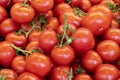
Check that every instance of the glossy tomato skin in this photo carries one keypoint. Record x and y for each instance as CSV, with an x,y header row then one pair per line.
x,y
7,26
18,1
42,5
6,3
22,14
97,22
109,50
18,64
58,73
75,3
39,64
28,76
62,55
7,54
9,74
95,1
84,40
106,72
18,40
91,58
113,34
47,40
3,14
82,77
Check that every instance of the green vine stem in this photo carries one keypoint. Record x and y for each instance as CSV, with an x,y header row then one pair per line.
x,y
69,74
2,77
79,12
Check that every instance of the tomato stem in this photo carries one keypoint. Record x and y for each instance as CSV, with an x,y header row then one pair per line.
x,y
70,74
79,12
2,77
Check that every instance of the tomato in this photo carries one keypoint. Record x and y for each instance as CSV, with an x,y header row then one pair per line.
x,y
33,45
34,35
18,40
58,1
7,54
113,34
42,5
59,73
47,40
61,9
85,5
63,55
91,58
106,72
71,29
6,3
3,14
75,3
109,50
8,73
95,1
49,14
82,77
52,23
71,18
38,63
21,13
18,64
7,26
83,40
28,76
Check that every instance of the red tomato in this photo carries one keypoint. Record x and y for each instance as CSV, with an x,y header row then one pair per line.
x,y
47,40
109,50
8,73
95,1
34,35
85,5
53,23
75,3
62,55
106,72
18,64
84,40
61,9
58,1
49,14
7,54
59,73
28,76
7,26
3,14
38,63
82,77
42,5
19,1
21,13
91,58
114,24
18,40
6,3
113,34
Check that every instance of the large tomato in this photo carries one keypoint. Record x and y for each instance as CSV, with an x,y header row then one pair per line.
x,y
38,64
21,13
109,50
82,77
106,72
42,5
83,40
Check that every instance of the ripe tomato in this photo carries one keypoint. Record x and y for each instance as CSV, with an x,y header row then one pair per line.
x,y
113,34
49,14
7,26
82,77
19,1
18,40
109,50
114,24
21,13
91,58
95,1
42,5
60,73
84,40
28,76
62,55
75,3
61,9
7,54
8,73
18,64
3,14
47,40
106,72
6,3
38,63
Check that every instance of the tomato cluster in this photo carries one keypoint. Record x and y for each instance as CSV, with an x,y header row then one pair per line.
x,y
60,40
